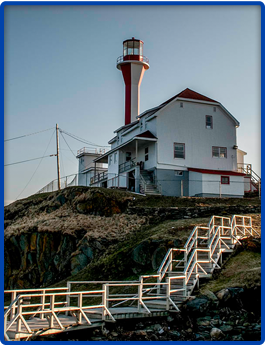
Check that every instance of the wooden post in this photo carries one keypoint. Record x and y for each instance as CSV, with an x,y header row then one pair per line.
x,y
140,294
51,320
168,292
58,162
19,311
181,188
220,189
171,259
68,297
80,305
104,302
42,304
13,310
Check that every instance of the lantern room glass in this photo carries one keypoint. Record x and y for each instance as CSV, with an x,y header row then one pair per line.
x,y
132,48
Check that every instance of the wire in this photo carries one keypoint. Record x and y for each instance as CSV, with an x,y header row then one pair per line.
x,y
80,139
26,135
37,166
67,143
28,160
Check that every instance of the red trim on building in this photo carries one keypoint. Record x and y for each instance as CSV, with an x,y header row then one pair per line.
x,y
126,72
146,134
217,172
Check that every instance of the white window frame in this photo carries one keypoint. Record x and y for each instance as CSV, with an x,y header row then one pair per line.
x,y
221,154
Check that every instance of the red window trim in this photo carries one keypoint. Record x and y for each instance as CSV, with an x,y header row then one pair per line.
x,y
226,178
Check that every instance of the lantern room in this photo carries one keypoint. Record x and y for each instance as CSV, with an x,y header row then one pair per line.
x,y
133,51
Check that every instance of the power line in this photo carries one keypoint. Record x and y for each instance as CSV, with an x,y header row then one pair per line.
x,y
67,143
37,166
28,160
26,135
81,140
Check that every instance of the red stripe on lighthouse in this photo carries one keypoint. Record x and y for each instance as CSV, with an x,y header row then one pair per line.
x,y
126,72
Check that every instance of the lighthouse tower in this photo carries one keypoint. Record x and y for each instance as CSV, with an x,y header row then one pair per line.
x,y
132,64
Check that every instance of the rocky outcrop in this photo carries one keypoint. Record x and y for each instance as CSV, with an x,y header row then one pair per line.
x,y
158,214
42,258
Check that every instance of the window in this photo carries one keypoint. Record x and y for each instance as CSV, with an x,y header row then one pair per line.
x,y
225,180
146,154
110,159
214,109
141,126
178,173
179,150
219,152
181,105
115,157
209,121
128,156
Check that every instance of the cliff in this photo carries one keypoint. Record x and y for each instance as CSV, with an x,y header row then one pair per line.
x,y
93,233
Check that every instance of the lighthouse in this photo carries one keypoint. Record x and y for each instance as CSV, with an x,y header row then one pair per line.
x,y
132,64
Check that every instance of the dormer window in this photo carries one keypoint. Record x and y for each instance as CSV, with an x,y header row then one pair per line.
x,y
141,125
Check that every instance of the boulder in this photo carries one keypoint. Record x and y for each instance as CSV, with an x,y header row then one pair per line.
x,y
198,305
216,334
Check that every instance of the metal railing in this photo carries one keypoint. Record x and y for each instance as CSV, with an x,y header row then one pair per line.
x,y
140,58
126,166
99,177
66,181
92,151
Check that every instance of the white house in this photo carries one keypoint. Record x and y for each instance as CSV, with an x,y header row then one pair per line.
x,y
186,146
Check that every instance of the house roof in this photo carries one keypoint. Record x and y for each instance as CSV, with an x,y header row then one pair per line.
x,y
126,126
188,94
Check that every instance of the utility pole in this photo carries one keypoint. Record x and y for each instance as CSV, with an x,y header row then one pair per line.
x,y
58,162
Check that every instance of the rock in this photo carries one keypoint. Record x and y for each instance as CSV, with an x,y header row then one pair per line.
x,y
224,295
203,323
141,254
170,319
158,257
198,305
153,337
215,322
114,334
237,337
174,334
156,327
216,334
210,295
226,328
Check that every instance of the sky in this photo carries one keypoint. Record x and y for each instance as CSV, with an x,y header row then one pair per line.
x,y
60,67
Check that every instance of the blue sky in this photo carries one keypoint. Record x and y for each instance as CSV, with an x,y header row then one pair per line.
x,y
60,67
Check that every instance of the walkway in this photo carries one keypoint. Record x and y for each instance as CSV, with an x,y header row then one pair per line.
x,y
35,312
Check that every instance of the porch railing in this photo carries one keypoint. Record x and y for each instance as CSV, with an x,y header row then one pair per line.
x,y
99,177
127,165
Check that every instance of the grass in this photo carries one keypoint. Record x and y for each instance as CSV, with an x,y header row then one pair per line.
x,y
243,270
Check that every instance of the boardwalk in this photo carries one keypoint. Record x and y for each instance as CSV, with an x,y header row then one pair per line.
x,y
35,312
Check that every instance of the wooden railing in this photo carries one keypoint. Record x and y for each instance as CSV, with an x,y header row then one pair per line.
x,y
221,234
